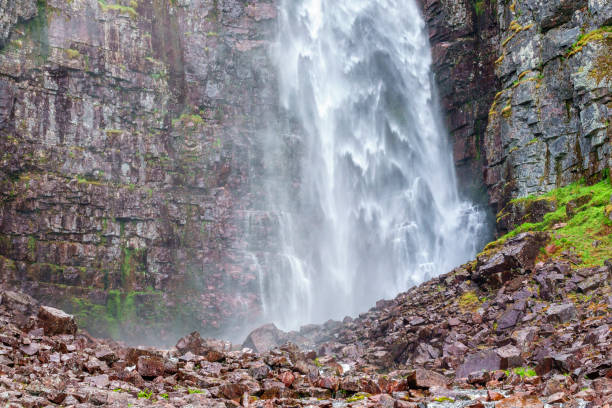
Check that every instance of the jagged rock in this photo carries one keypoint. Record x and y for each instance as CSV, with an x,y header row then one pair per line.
x,y
148,366
264,338
561,313
517,253
55,321
510,357
425,379
482,361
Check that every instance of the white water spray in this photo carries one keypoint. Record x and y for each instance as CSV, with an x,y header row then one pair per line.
x,y
376,208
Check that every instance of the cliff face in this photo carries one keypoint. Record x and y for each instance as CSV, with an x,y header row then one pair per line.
x,y
549,124
463,38
130,150
525,86
126,151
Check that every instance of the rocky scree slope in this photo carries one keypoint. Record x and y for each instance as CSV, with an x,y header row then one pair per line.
x,y
514,328
127,154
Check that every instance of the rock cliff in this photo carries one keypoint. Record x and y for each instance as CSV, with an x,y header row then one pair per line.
x,y
127,151
130,156
525,86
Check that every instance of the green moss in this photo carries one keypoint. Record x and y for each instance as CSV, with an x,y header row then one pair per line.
x,y
444,399
469,302
523,372
479,7
117,7
357,397
194,391
584,39
72,54
577,232
32,246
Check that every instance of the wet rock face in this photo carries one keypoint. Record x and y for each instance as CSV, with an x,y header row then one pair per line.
x,y
127,153
548,126
11,12
463,41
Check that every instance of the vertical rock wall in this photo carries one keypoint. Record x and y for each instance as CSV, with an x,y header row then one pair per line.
x,y
549,124
127,152
525,85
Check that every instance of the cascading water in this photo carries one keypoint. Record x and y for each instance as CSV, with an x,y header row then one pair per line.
x,y
376,209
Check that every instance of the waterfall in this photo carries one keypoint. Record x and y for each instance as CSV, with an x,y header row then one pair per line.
x,y
371,207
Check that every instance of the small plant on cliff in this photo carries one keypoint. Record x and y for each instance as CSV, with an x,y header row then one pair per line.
x,y
469,302
522,372
584,39
194,391
145,394
479,7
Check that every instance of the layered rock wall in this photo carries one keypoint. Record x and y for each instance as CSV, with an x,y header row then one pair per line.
x,y
127,153
525,86
549,123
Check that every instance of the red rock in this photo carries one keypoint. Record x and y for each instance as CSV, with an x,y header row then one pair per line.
x,y
329,383
287,378
148,366
421,378
520,401
510,357
558,397
481,361
191,343
233,391
494,396
264,338
55,321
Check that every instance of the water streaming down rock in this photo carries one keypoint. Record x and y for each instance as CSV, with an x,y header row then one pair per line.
x,y
376,209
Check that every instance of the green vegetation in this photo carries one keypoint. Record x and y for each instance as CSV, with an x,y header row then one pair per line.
x,y
194,391
444,399
117,7
146,394
72,54
469,302
357,397
32,246
522,372
584,39
163,396
577,230
479,7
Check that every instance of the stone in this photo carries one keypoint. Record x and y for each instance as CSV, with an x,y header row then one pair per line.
x,y
561,313
191,343
421,378
148,366
55,321
487,360
510,357
264,338
520,401
518,252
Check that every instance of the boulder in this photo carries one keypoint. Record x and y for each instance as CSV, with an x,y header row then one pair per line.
x,y
19,302
191,343
510,356
55,321
421,378
264,338
148,366
487,360
561,313
518,252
